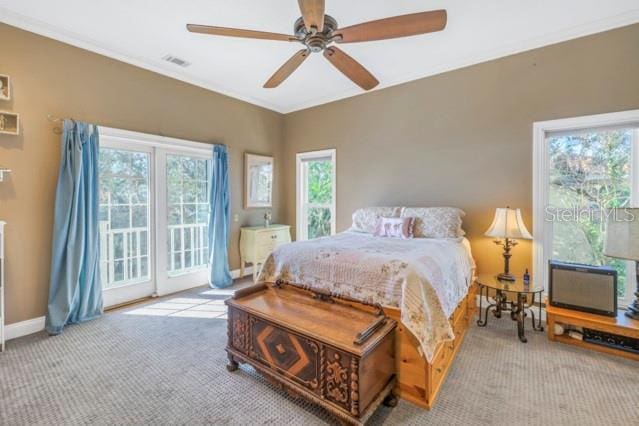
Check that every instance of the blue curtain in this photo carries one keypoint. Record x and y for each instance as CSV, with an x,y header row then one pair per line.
x,y
219,219
75,292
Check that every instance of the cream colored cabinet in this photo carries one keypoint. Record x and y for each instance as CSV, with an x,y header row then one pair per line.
x,y
257,242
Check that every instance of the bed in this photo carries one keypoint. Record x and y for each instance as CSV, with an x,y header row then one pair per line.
x,y
424,283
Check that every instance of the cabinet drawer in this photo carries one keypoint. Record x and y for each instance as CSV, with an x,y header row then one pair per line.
x,y
267,241
276,235
262,251
439,365
459,328
460,312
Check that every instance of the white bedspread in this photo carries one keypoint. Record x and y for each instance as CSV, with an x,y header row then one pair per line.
x,y
426,278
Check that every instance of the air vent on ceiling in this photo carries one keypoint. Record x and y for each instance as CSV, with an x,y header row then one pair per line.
x,y
177,61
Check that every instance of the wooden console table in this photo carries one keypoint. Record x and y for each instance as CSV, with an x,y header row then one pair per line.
x,y
620,325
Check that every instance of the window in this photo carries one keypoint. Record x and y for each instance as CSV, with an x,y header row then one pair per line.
x,y
315,194
584,166
124,217
188,213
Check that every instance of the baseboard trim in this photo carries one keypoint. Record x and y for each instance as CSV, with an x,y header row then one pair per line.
x,y
34,325
235,274
24,328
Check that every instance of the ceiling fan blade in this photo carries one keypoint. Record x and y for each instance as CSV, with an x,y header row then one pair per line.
x,y
397,26
287,69
313,13
351,68
234,32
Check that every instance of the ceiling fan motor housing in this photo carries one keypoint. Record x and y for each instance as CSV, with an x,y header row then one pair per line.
x,y
316,41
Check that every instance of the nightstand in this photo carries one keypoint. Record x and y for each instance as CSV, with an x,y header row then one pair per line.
x,y
519,309
257,243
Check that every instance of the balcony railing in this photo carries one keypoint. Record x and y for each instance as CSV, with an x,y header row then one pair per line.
x,y
124,255
188,247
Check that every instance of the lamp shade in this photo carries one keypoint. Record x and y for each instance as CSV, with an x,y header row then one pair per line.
x,y
622,234
508,224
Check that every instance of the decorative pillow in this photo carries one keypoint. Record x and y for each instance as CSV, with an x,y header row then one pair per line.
x,y
365,220
436,222
395,227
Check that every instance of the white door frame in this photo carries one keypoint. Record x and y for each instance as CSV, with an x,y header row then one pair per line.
x,y
542,234
300,233
135,290
158,147
172,283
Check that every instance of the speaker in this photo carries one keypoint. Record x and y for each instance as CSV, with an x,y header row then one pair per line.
x,y
584,288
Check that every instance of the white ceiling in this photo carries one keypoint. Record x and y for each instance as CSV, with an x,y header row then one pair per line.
x,y
141,32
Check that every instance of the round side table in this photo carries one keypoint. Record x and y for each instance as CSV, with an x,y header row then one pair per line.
x,y
519,308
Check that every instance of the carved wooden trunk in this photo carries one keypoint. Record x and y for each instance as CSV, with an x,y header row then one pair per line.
x,y
308,347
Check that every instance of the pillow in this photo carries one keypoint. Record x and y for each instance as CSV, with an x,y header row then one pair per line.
x,y
436,222
365,220
395,227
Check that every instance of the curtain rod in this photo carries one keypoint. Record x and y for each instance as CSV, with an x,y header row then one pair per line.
x,y
52,118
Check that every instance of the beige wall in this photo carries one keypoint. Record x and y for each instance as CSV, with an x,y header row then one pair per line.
x,y
464,138
51,77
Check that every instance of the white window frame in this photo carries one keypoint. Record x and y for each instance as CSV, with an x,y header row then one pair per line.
x,y
300,180
542,231
161,282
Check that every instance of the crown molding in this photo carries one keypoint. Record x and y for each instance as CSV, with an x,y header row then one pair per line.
x,y
21,21
610,23
44,29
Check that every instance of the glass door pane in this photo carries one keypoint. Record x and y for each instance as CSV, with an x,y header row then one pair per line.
x,y
187,213
124,217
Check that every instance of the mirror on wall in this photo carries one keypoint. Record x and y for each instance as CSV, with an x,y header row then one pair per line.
x,y
258,181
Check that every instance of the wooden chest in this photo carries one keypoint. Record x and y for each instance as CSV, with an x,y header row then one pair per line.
x,y
329,352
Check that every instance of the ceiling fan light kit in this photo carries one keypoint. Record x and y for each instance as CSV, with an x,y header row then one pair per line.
x,y
307,32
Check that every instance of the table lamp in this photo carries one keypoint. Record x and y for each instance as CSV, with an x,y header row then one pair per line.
x,y
507,225
622,242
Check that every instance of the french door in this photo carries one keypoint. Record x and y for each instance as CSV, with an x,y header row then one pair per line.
x,y
153,215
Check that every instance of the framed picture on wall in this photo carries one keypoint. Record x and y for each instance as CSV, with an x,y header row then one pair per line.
x,y
258,181
9,123
5,87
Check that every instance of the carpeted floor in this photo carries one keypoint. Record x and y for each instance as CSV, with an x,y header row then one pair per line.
x,y
164,363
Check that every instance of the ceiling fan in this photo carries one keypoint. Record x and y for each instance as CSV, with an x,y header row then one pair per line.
x,y
317,32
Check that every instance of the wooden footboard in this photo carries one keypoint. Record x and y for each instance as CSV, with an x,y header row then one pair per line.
x,y
419,381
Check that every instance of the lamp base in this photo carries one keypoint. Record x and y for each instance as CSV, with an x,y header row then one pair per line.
x,y
506,277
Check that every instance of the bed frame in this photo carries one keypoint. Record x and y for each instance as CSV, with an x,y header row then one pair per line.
x,y
419,381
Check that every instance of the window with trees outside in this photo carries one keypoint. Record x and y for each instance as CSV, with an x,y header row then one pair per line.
x,y
188,212
591,171
124,217
315,194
